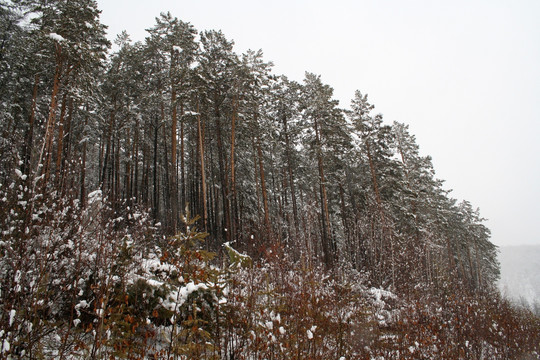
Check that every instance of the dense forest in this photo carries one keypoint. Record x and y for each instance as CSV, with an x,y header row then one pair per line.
x,y
173,199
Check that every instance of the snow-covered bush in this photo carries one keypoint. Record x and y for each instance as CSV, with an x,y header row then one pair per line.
x,y
60,267
284,310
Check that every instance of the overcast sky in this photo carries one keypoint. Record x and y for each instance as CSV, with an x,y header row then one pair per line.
x,y
465,76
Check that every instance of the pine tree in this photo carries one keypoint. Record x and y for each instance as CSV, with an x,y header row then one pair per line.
x,y
174,39
217,68
323,117
374,140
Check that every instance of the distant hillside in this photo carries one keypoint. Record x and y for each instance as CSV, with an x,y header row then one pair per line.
x,y
520,273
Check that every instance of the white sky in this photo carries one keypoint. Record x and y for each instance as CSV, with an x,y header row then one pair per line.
x,y
464,74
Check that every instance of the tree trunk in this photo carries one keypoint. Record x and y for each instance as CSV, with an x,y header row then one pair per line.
x,y
325,216
344,219
233,219
127,167
156,192
66,151
167,176
49,132
60,143
173,169
386,230
182,161
256,177
83,161
290,173
263,188
105,186
116,175
203,177
135,157
222,171
29,138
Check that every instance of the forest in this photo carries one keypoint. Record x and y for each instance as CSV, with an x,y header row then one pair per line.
x,y
172,199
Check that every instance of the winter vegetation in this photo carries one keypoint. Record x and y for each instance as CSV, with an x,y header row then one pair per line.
x,y
175,200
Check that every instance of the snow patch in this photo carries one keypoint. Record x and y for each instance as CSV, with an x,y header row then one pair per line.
x,y
94,196
20,174
182,295
56,37
12,316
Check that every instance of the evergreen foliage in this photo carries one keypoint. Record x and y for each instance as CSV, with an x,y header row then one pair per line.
x,y
322,232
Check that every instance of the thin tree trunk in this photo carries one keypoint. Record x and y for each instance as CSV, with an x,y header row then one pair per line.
x,y
135,156
156,193
222,171
116,175
60,142
263,187
233,219
256,177
167,176
83,161
344,219
374,179
182,160
128,169
145,176
49,133
290,173
174,186
479,280
203,177
326,240
104,180
386,229
110,172
29,138
66,151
